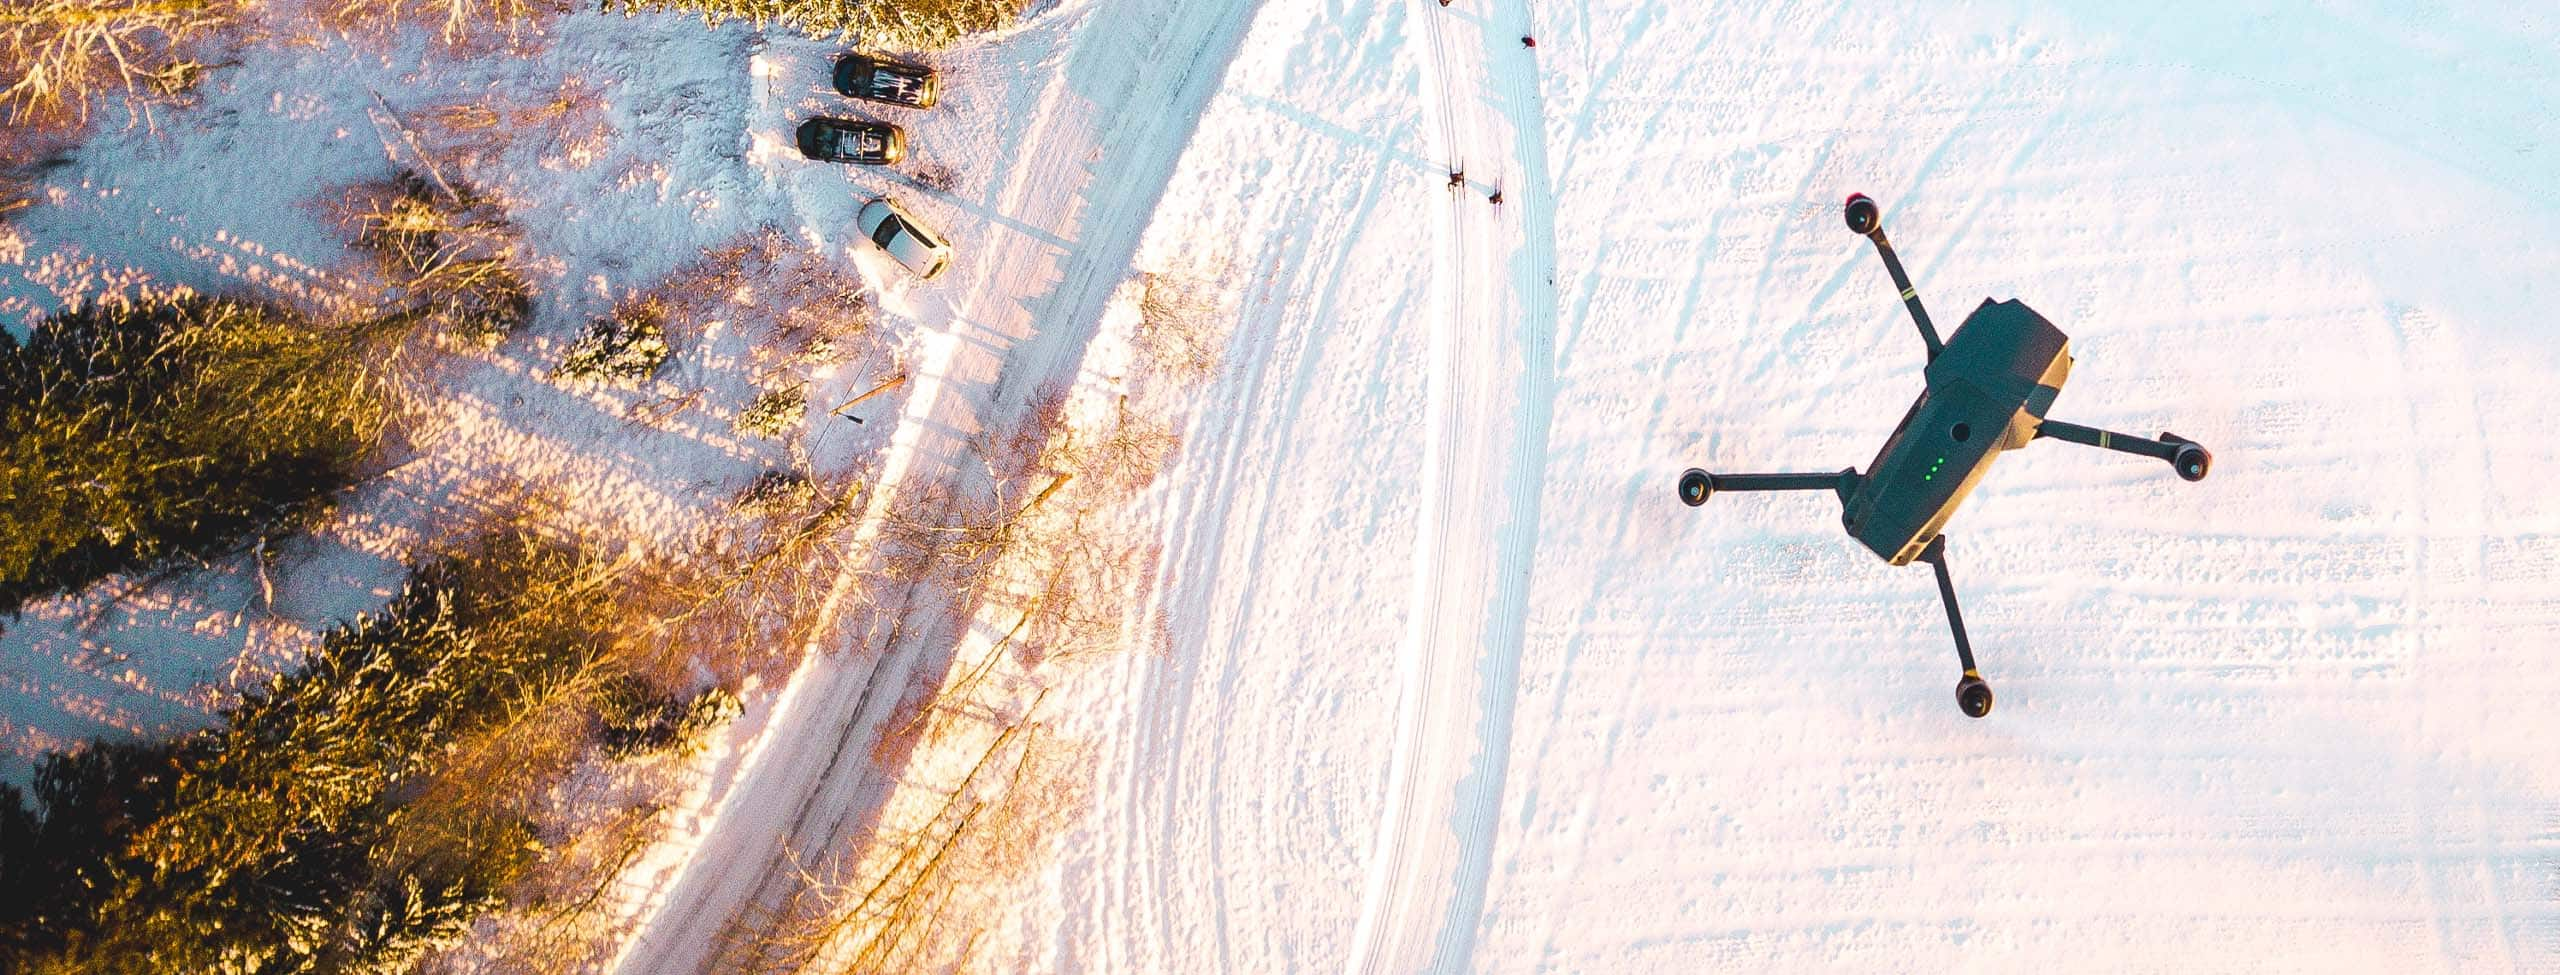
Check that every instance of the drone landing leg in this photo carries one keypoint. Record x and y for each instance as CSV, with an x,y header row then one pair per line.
x,y
1972,694
2189,458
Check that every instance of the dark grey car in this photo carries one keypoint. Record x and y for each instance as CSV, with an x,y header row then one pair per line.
x,y
891,82
848,141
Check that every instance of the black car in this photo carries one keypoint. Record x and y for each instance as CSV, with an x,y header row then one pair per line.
x,y
893,82
848,141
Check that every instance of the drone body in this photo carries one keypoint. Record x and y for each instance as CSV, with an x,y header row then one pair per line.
x,y
1987,393
1988,390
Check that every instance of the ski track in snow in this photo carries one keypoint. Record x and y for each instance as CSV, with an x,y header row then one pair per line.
x,y
1489,393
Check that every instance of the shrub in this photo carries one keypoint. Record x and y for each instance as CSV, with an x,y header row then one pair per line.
x,y
1178,329
626,348
134,435
775,492
449,253
638,722
775,412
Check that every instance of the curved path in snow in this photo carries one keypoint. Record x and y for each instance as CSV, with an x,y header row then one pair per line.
x,y
1491,366
1043,252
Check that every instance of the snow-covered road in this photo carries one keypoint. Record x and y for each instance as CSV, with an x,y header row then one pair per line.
x,y
2293,718
1048,240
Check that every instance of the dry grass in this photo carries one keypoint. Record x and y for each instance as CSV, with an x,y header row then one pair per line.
x,y
17,192
60,53
1044,550
447,256
819,308
465,117
741,602
460,21
562,125
1181,333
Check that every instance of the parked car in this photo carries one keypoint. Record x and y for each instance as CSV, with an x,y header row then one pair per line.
x,y
896,231
848,141
894,82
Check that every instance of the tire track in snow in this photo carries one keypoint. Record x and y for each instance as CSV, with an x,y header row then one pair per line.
x,y
1257,450
1489,395
1200,799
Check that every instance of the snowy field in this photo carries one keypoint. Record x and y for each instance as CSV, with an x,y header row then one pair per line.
x,y
1459,686
1452,681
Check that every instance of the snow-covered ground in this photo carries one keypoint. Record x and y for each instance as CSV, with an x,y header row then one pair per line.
x,y
1454,683
1458,684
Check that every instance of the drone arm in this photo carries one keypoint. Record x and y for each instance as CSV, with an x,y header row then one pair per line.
x,y
2106,439
1696,486
1910,295
1972,694
1779,482
2190,459
1936,555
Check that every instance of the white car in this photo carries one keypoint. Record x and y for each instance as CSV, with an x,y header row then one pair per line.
x,y
897,232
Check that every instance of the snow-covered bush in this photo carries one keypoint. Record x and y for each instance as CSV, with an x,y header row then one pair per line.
x,y
775,412
626,348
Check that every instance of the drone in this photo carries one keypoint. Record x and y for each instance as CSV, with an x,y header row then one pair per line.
x,y
1988,389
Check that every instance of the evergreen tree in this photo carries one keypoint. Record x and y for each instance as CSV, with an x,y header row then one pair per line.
x,y
293,837
137,434
879,23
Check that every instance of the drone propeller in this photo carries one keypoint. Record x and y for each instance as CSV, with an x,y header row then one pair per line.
x,y
1862,214
1696,486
